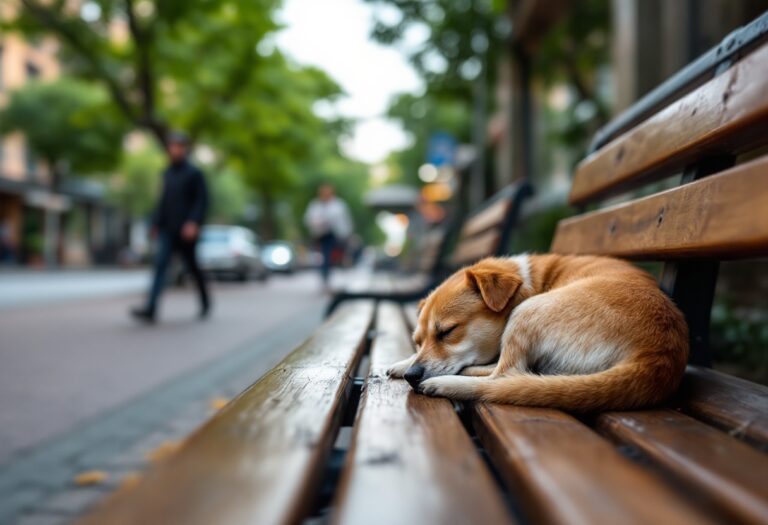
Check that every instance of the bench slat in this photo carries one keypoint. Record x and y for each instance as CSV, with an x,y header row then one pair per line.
x,y
740,407
475,248
490,217
411,312
726,115
411,460
564,473
727,472
260,459
724,215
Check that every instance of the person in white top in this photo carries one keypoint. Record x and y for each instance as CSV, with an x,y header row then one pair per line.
x,y
329,222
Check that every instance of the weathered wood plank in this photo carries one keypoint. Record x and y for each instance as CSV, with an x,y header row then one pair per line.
x,y
411,312
411,460
260,459
491,217
724,215
737,406
475,248
727,472
728,114
564,473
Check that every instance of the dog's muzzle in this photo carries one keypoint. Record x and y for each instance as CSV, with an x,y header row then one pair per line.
x,y
414,375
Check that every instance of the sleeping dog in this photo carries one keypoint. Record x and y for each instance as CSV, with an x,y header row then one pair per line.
x,y
578,333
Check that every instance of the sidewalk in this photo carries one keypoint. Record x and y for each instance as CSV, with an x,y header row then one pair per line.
x,y
25,287
38,487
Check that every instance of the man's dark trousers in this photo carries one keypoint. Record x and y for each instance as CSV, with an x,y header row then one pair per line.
x,y
167,245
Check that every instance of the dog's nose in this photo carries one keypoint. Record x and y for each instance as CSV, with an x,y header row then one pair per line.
x,y
414,374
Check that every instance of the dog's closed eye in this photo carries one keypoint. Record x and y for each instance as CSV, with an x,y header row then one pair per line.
x,y
443,332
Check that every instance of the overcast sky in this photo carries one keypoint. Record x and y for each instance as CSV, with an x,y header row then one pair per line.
x,y
333,35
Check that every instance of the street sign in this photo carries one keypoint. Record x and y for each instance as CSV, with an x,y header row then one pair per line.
x,y
441,150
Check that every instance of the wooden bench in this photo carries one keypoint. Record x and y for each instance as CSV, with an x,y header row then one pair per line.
x,y
481,234
705,452
326,436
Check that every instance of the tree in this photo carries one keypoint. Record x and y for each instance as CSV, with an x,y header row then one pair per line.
x,y
464,38
69,124
168,63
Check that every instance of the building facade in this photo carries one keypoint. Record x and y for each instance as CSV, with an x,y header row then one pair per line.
x,y
71,226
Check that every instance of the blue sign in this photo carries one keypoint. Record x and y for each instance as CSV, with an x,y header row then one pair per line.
x,y
441,150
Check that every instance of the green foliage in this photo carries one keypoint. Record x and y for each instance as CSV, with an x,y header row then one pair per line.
x,y
137,183
463,36
70,124
207,67
535,234
574,53
169,63
421,116
229,196
740,340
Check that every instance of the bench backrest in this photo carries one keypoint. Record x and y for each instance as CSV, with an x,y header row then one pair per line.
x,y
712,135
431,248
486,232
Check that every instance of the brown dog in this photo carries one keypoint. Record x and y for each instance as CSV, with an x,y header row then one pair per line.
x,y
572,332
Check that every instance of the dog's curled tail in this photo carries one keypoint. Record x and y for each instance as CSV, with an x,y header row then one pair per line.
x,y
633,384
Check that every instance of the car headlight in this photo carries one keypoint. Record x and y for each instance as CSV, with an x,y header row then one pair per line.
x,y
280,255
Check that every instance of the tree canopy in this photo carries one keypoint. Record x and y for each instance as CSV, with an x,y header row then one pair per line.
x,y
210,68
70,124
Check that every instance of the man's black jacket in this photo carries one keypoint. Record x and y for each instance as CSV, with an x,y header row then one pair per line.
x,y
184,198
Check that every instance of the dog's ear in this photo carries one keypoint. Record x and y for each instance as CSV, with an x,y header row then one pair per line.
x,y
495,287
420,306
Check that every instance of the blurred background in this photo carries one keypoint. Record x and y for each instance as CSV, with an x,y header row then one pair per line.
x,y
415,111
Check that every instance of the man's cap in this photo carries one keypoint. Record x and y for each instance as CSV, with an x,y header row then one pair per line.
x,y
178,137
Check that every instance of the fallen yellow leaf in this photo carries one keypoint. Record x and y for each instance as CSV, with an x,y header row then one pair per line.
x,y
166,449
91,477
129,481
218,403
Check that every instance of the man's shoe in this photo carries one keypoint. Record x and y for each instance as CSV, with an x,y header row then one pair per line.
x,y
145,315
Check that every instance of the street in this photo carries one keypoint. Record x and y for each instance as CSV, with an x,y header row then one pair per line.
x,y
64,362
80,381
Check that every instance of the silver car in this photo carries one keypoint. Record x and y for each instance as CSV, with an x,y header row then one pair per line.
x,y
230,251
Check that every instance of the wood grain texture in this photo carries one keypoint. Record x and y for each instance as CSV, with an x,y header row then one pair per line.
x,y
728,114
737,406
721,216
412,461
723,470
564,473
475,248
260,459
491,217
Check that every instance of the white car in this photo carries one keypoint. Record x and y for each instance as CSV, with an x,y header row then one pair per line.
x,y
231,251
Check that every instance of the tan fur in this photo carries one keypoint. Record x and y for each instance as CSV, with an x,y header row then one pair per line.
x,y
572,332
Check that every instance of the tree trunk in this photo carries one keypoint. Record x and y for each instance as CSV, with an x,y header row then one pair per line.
x,y
267,224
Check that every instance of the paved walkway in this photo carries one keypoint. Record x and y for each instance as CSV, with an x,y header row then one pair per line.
x,y
82,387
35,287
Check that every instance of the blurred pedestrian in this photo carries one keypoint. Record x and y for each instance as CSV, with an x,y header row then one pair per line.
x,y
176,224
328,220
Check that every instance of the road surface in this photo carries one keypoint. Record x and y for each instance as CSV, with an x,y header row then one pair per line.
x,y
69,352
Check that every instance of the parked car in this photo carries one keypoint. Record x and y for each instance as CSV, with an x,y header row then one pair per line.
x,y
279,256
230,251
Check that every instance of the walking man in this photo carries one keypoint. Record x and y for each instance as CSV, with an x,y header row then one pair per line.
x,y
330,224
176,222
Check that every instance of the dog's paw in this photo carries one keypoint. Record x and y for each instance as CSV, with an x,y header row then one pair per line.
x,y
454,387
397,370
